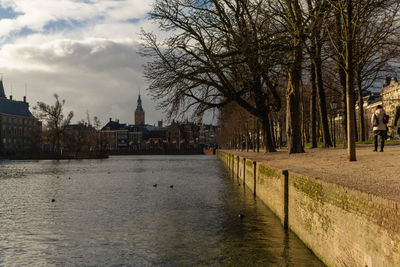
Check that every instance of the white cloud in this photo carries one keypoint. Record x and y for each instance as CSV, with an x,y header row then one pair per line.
x,y
36,14
94,65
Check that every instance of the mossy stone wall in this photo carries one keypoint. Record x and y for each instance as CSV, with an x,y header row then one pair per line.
x,y
342,226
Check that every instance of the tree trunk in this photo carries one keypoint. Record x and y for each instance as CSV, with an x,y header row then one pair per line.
x,y
266,128
273,138
361,108
342,78
247,140
258,137
351,145
293,116
356,132
321,96
254,136
314,142
58,142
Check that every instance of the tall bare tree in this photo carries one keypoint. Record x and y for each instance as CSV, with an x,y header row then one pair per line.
x,y
291,15
375,45
56,121
216,52
351,15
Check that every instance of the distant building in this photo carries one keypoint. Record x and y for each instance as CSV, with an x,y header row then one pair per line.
x,y
389,98
20,130
175,135
139,113
208,135
121,137
391,102
115,135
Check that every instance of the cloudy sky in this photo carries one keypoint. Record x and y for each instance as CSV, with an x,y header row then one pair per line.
x,y
83,50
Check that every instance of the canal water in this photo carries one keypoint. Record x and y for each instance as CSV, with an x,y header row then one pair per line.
x,y
110,213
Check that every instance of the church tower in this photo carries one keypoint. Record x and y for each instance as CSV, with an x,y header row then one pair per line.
x,y
139,113
2,94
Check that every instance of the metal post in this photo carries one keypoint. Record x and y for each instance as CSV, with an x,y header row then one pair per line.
x,y
334,132
237,173
244,171
233,165
254,175
285,199
258,137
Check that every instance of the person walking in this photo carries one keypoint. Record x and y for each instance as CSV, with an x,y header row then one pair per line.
x,y
379,122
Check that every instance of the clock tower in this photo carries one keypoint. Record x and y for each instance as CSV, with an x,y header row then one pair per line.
x,y
139,113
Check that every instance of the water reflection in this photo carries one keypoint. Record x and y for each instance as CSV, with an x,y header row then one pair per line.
x,y
107,212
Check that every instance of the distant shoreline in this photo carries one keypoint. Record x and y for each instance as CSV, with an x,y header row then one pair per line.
x,y
52,156
102,155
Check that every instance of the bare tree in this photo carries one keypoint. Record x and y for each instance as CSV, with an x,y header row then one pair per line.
x,y
350,14
375,45
217,52
56,121
318,10
292,17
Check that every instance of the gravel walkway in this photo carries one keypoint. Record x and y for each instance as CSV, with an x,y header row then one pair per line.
x,y
376,173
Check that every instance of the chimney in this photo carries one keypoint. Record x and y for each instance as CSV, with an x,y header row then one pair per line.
x,y
160,123
24,99
110,119
10,97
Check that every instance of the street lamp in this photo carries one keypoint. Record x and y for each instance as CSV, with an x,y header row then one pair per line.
x,y
333,108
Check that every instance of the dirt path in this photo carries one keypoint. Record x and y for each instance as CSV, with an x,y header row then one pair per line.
x,y
374,172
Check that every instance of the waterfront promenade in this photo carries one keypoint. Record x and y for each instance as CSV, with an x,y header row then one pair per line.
x,y
375,173
347,213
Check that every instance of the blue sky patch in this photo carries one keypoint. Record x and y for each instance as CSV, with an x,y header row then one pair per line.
x,y
15,34
133,20
8,13
62,25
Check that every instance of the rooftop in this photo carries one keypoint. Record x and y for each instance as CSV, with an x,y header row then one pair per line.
x,y
12,107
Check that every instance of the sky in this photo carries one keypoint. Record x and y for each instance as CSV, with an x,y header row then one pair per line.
x,y
83,50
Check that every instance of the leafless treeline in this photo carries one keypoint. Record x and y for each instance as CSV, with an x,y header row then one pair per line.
x,y
275,61
62,136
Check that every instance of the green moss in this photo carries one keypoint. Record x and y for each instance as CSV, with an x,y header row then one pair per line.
x,y
249,163
249,174
267,171
375,210
311,189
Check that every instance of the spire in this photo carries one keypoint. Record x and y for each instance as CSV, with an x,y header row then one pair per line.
x,y
2,93
139,103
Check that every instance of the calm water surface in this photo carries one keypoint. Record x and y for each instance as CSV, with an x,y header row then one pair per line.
x,y
108,213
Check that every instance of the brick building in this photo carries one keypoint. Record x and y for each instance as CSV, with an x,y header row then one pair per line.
x,y
391,103
121,137
20,130
389,98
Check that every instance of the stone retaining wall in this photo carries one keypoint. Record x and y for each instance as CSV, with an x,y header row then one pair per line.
x,y
343,227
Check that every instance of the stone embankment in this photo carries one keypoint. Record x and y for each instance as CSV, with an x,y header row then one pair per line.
x,y
346,213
